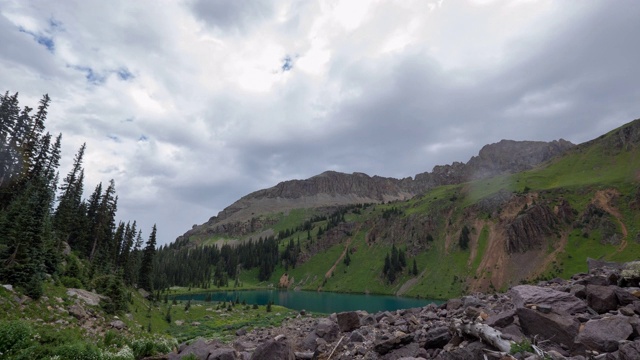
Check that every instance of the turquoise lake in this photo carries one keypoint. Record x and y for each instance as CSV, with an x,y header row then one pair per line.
x,y
321,302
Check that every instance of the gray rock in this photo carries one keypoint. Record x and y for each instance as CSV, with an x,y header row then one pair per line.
x,y
88,297
309,341
200,348
454,304
327,330
603,334
348,321
624,297
437,337
368,320
118,325
512,332
471,351
222,354
560,301
393,341
560,329
274,350
579,291
77,311
356,336
602,298
630,351
410,351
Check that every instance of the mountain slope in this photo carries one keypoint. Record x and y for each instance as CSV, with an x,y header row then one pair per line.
x,y
482,228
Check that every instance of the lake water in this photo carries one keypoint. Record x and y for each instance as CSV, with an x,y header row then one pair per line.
x,y
322,302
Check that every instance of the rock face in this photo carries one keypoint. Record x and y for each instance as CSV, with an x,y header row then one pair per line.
x,y
332,188
560,324
529,230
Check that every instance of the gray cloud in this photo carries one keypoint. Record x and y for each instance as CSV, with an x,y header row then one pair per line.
x,y
193,110
230,15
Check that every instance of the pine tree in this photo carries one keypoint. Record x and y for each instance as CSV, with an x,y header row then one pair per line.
x,y
146,265
67,214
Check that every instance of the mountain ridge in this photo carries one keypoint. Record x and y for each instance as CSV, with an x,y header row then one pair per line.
x,y
331,188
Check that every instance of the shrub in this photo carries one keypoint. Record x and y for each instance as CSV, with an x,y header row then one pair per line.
x,y
522,346
150,346
125,353
15,337
112,287
79,351
71,282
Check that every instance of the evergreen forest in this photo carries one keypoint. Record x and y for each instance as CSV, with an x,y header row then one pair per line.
x,y
47,228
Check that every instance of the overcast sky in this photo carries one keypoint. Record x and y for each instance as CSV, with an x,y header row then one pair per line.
x,y
190,105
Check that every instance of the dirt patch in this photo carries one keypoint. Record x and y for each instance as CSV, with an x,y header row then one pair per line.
x,y
603,199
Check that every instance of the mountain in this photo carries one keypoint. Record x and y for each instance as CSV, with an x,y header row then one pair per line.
x,y
331,188
517,212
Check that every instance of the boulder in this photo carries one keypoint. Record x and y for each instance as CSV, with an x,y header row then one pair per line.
x,y
561,329
309,342
501,319
368,320
77,311
327,330
118,325
629,351
410,351
274,350
222,354
602,298
603,334
624,297
356,336
559,301
437,337
454,304
199,348
88,297
348,321
392,341
579,291
472,351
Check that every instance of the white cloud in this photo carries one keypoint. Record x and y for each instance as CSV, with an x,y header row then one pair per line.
x,y
186,105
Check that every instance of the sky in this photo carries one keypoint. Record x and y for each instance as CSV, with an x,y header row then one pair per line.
x,y
191,104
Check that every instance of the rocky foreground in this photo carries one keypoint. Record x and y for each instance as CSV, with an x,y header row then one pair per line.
x,y
591,316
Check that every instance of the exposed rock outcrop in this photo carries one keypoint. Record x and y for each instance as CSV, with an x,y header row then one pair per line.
x,y
529,229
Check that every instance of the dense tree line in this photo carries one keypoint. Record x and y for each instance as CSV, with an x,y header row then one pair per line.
x,y
41,222
182,264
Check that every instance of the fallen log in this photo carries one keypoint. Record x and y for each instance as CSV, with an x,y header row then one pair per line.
x,y
483,332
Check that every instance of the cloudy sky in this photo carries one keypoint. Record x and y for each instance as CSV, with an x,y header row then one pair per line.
x,y
191,104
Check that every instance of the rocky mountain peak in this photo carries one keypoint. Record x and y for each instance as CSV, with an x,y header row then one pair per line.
x,y
332,188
